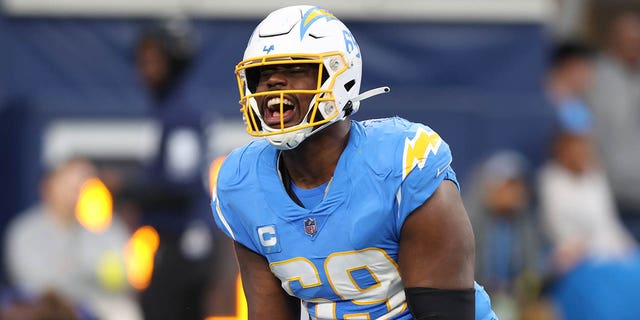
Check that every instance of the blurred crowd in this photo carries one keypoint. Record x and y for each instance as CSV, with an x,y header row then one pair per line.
x,y
557,241
60,267
551,241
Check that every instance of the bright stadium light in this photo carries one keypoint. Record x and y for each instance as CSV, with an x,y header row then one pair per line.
x,y
94,208
139,255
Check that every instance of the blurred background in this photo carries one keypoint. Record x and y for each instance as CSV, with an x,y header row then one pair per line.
x,y
114,114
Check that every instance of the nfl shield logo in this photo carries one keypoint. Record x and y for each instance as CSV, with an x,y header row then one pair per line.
x,y
310,227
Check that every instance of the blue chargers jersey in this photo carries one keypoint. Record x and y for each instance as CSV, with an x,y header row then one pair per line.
x,y
340,257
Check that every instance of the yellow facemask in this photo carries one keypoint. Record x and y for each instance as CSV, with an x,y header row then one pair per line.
x,y
322,109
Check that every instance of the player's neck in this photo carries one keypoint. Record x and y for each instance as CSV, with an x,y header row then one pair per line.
x,y
313,162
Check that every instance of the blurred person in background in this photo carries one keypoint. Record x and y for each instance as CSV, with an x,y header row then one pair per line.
x,y
508,244
615,99
48,249
170,191
164,54
576,200
594,261
569,78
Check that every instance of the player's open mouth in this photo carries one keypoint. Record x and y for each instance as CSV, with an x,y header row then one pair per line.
x,y
271,110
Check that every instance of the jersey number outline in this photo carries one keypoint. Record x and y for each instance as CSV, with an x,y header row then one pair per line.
x,y
339,268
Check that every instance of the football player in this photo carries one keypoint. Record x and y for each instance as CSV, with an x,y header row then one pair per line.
x,y
358,220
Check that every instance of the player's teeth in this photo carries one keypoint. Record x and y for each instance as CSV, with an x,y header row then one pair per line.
x,y
273,102
276,101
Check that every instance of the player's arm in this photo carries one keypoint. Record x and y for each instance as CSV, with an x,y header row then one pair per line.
x,y
436,257
265,297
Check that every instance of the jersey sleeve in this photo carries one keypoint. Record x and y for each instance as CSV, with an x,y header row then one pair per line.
x,y
426,162
227,215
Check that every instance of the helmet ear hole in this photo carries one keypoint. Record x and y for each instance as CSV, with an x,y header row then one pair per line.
x,y
349,85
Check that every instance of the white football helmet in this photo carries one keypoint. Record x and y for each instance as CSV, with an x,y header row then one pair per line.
x,y
302,34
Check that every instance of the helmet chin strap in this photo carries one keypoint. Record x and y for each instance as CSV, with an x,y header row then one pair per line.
x,y
354,103
370,93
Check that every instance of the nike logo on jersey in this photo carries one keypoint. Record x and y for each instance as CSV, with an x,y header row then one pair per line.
x,y
417,150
